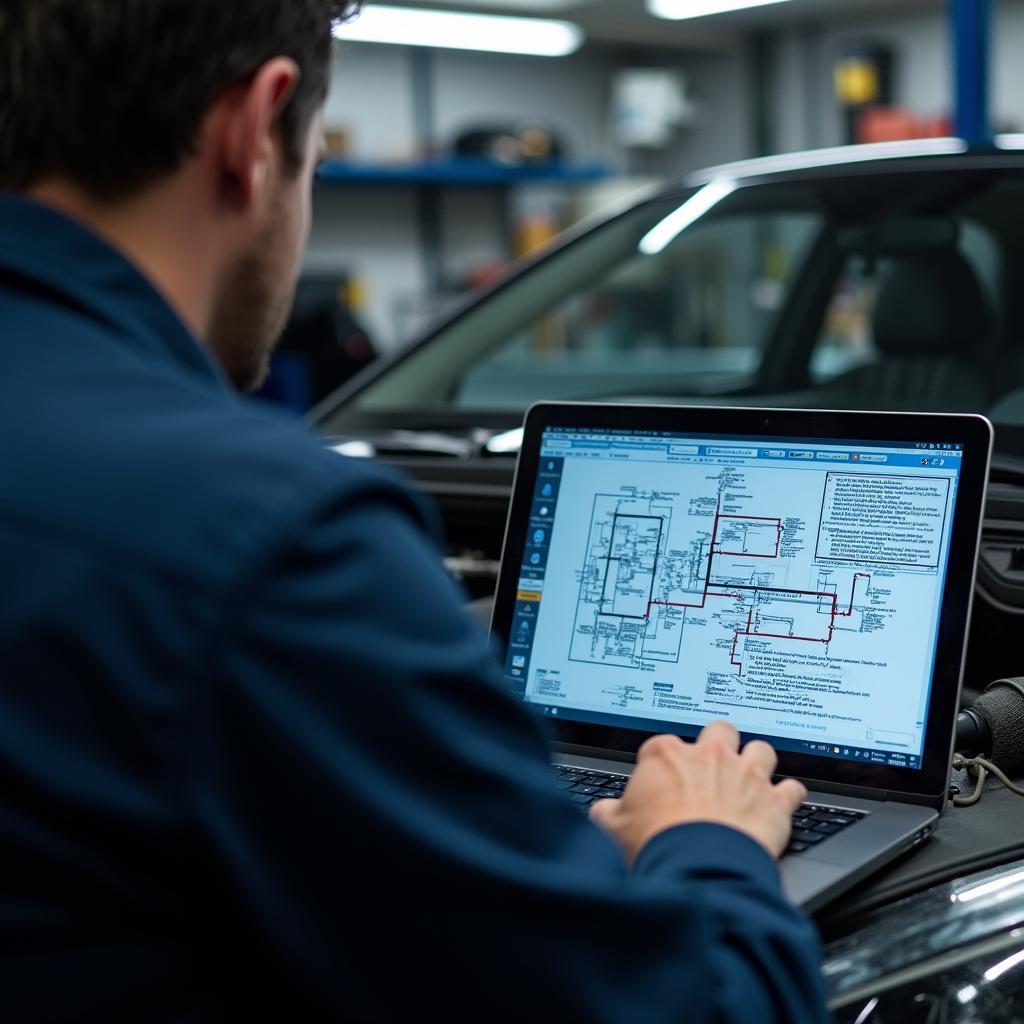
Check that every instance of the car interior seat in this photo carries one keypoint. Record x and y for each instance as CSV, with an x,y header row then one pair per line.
x,y
932,329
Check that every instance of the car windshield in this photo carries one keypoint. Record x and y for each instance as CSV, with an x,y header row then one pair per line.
x,y
812,294
611,316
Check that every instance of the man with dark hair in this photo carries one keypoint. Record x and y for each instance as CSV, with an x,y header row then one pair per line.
x,y
254,760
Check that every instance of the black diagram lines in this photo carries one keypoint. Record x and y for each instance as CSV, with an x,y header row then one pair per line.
x,y
657,567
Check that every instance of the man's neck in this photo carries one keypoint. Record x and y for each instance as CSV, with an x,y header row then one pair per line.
x,y
159,234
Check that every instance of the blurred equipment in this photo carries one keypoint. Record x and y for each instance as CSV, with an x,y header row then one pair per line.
x,y
529,143
993,727
337,142
894,124
649,105
863,80
323,345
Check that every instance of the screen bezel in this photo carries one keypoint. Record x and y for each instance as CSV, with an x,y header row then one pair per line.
x,y
974,433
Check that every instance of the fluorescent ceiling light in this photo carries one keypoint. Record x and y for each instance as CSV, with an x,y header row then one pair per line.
x,y
527,6
665,232
676,10
415,26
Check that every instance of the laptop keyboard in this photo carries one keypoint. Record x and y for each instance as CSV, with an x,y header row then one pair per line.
x,y
812,823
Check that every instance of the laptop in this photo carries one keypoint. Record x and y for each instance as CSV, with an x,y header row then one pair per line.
x,y
805,575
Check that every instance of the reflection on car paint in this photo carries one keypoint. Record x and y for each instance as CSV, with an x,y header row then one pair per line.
x,y
954,954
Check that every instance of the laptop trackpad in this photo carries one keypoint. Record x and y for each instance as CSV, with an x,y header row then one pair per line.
x,y
803,878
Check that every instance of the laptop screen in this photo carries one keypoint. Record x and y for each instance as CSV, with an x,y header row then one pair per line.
x,y
793,587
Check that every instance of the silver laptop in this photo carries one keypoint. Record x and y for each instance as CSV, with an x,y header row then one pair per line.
x,y
805,575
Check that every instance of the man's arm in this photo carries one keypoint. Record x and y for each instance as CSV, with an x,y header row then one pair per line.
x,y
383,818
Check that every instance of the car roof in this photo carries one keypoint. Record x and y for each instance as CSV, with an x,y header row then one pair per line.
x,y
1005,149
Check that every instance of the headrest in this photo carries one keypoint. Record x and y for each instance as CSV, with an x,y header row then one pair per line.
x,y
931,305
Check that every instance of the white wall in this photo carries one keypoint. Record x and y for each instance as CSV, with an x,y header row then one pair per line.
x,y
372,98
721,87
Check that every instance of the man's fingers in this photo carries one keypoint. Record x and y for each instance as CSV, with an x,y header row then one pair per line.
x,y
663,744
791,794
760,753
720,732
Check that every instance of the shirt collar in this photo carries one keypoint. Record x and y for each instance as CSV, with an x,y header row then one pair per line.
x,y
51,250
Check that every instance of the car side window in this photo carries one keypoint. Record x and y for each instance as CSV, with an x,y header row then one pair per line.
x,y
696,314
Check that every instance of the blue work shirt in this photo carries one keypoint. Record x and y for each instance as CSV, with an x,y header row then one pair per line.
x,y
255,759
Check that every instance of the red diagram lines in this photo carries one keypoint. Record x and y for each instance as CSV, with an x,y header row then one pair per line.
x,y
834,614
761,537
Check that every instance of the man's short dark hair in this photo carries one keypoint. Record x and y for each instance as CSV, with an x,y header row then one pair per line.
x,y
111,94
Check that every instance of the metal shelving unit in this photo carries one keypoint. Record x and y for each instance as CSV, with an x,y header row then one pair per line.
x,y
430,177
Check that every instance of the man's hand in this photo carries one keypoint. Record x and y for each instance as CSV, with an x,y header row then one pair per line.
x,y
710,780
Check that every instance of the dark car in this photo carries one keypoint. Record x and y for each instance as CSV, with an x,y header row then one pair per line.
x,y
874,277
951,955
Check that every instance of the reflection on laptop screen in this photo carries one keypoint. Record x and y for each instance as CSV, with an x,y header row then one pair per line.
x,y
792,587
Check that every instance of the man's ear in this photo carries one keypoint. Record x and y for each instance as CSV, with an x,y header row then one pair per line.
x,y
243,128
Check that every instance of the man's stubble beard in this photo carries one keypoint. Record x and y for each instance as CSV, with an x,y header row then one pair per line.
x,y
252,311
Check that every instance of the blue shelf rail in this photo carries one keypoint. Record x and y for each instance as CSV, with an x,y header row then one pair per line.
x,y
461,172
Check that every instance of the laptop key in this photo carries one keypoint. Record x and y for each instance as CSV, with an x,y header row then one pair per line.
x,y
796,847
833,819
613,794
582,798
826,828
803,835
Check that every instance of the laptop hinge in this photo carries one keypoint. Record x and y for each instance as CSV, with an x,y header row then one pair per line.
x,y
601,753
839,789
865,792
937,803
